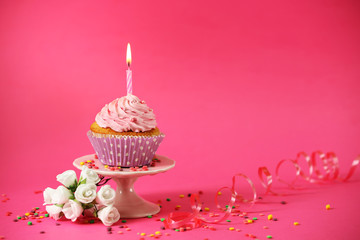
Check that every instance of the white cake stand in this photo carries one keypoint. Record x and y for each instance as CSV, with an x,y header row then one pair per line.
x,y
129,204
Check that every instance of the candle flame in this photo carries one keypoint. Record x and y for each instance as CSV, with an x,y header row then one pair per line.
x,y
128,55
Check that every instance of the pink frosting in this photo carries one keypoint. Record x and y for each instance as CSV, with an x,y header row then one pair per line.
x,y
127,113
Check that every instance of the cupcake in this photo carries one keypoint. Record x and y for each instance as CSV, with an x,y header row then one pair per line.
x,y
125,133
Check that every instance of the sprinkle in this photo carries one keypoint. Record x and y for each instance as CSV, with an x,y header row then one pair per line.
x,y
109,229
106,166
283,202
91,221
46,215
27,214
89,161
123,221
29,223
219,193
120,232
168,199
275,219
41,217
82,163
327,207
231,228
250,221
269,236
189,195
228,220
265,227
42,232
152,235
238,230
18,217
167,234
270,217
296,223
255,218
128,229
207,209
181,196
177,230
149,216
37,208
158,232
162,219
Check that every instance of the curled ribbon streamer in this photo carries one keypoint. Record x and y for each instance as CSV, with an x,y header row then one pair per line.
x,y
330,165
194,219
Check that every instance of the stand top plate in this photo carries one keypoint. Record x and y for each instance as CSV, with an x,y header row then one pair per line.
x,y
164,165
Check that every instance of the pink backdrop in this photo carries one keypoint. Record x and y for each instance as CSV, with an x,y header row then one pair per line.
x,y
234,85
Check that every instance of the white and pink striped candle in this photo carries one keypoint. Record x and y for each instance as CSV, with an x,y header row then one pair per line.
x,y
128,71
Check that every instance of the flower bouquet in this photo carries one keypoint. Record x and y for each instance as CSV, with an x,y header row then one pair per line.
x,y
77,198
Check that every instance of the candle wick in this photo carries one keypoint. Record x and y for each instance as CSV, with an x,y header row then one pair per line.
x,y
128,65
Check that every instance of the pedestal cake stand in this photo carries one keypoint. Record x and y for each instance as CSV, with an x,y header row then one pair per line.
x,y
129,204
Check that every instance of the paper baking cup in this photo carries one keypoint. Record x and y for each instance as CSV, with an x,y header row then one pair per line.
x,y
125,151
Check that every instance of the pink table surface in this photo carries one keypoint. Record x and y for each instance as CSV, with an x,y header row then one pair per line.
x,y
235,85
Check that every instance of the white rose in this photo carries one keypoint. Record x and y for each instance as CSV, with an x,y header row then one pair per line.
x,y
68,178
61,195
109,215
86,193
90,175
48,192
106,195
72,210
54,211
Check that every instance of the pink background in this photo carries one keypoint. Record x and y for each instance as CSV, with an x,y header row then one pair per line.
x,y
234,85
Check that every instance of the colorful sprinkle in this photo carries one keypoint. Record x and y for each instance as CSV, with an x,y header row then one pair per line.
x,y
162,219
168,199
46,215
270,217
123,221
29,223
327,207
269,236
296,223
231,228
181,196
207,209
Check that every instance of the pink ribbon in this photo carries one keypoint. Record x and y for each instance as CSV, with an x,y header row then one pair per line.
x,y
330,167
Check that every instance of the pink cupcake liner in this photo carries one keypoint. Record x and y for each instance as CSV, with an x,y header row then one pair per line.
x,y
125,151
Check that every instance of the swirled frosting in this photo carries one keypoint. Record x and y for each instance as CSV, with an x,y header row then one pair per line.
x,y
127,113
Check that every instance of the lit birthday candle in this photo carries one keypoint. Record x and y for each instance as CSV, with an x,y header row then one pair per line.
x,y
128,71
